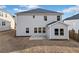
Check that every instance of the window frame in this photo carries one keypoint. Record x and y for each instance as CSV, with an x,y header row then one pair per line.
x,y
6,15
56,32
35,30
45,18
3,23
33,16
0,13
58,18
44,30
39,30
27,30
62,32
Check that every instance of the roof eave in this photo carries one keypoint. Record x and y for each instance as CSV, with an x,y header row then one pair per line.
x,y
59,22
39,13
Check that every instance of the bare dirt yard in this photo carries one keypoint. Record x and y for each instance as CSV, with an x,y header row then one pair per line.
x,y
10,43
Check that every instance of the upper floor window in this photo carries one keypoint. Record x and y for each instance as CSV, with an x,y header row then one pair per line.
x,y
61,31
27,30
0,13
35,30
5,15
56,31
3,23
45,18
58,18
33,16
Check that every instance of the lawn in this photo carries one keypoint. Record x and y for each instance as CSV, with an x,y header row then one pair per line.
x,y
10,43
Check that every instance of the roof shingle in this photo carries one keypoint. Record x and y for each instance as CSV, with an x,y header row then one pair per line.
x,y
39,10
73,17
52,22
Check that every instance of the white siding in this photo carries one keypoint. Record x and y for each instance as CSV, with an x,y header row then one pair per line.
x,y
51,33
6,27
10,24
73,24
48,32
24,21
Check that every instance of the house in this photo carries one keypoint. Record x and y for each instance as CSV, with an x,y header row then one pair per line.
x,y
73,22
41,24
6,21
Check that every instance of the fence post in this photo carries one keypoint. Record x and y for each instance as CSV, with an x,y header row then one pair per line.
x,y
73,34
78,36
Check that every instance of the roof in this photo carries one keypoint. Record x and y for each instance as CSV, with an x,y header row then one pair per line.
x,y
73,17
52,23
39,10
5,11
56,22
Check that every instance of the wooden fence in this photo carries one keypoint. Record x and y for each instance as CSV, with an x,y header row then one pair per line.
x,y
73,35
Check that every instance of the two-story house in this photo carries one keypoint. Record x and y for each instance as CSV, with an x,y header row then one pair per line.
x,y
41,24
6,21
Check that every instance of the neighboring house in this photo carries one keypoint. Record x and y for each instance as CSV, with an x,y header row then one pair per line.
x,y
6,21
41,24
73,22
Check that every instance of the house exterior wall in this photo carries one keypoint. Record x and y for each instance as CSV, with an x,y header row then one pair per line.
x,y
23,21
8,19
6,27
73,24
51,32
48,33
12,21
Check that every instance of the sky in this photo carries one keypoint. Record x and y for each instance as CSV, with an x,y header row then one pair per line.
x,y
68,10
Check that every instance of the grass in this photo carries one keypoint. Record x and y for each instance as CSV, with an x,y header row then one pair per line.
x,y
10,43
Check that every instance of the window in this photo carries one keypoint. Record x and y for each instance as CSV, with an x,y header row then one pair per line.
x,y
35,30
2,14
39,30
56,31
3,23
5,15
33,16
27,30
45,18
58,18
44,30
61,31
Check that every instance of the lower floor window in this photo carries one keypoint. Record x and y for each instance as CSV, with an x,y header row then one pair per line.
x,y
3,23
44,30
61,31
39,30
27,30
56,31
35,30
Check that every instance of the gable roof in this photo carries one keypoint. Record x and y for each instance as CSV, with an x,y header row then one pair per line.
x,y
52,23
39,10
73,17
56,22
5,11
